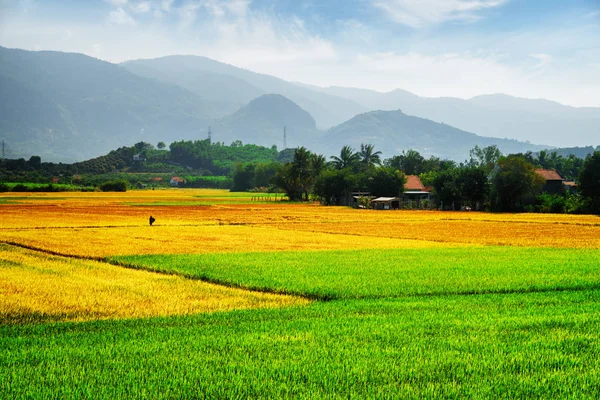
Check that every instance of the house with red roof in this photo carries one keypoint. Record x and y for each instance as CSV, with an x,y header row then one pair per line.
x,y
414,190
554,181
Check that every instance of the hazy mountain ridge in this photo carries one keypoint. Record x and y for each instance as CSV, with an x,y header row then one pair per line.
x,y
262,122
495,115
327,109
69,106
394,131
66,106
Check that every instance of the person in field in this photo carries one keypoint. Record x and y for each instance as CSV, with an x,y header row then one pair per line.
x,y
151,220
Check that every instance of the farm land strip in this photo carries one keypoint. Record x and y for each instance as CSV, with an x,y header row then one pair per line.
x,y
533,345
384,273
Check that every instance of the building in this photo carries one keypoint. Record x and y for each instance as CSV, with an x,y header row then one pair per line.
x,y
554,181
414,190
570,187
176,181
386,203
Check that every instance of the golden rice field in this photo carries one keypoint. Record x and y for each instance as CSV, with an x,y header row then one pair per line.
x,y
98,225
34,285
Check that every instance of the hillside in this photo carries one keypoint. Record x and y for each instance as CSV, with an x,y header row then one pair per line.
x,y
262,122
197,74
499,115
65,106
393,131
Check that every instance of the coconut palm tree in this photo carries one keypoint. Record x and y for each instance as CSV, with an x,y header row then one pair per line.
x,y
347,158
368,156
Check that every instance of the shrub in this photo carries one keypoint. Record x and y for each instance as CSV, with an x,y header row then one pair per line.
x,y
550,203
113,186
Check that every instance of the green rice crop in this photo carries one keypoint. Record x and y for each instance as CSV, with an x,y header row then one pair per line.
x,y
389,273
534,345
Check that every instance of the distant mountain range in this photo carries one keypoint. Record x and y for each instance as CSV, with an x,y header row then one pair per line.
x,y
67,107
497,115
393,131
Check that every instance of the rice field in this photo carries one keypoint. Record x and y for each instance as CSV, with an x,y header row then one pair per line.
x,y
230,296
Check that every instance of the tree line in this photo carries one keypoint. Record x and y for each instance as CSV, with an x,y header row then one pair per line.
x,y
487,181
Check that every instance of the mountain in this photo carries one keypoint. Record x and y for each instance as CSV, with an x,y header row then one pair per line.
x,y
394,131
263,120
213,80
499,115
66,106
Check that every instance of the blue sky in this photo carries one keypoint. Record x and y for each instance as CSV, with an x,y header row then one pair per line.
x,y
462,48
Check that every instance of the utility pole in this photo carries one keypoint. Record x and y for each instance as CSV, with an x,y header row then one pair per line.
x,y
284,138
209,135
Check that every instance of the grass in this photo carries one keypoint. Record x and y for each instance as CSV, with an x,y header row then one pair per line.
x,y
535,345
388,273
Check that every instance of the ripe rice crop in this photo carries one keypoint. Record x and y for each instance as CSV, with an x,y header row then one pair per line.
x,y
371,229
35,287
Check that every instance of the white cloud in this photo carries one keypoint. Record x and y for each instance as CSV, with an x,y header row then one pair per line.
x,y
120,17
117,3
141,8
555,63
543,60
418,13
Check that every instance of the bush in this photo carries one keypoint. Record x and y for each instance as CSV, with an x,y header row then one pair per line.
x,y
20,188
576,204
113,186
4,187
550,203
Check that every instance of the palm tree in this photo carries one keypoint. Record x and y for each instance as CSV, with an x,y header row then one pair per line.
x,y
368,156
347,158
318,162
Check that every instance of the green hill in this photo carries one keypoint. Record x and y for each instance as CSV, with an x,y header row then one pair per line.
x,y
65,106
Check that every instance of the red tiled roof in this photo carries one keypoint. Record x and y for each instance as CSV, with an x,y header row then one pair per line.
x,y
176,179
413,183
549,174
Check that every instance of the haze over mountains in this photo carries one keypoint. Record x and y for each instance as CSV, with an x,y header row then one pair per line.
x,y
65,107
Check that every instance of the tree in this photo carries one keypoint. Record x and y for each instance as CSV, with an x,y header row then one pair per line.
x,y
411,162
318,163
386,181
334,186
589,181
161,145
296,178
445,184
486,158
368,157
514,184
35,162
473,186
347,158
243,177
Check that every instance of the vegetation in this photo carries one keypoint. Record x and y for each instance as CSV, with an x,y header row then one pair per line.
x,y
389,273
487,346
418,304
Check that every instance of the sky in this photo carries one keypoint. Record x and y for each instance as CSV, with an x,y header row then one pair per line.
x,y
459,48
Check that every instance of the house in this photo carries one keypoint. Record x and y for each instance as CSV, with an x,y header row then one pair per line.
x,y
414,190
176,181
570,187
554,181
386,203
139,157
